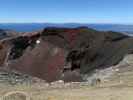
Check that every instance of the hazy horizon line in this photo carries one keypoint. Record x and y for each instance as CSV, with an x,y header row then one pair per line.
x,y
63,23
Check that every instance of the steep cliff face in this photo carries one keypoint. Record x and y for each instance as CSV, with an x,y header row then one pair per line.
x,y
64,53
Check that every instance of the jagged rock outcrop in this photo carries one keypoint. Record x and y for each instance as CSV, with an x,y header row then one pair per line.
x,y
64,53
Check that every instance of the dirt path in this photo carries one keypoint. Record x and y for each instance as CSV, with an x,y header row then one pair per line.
x,y
82,93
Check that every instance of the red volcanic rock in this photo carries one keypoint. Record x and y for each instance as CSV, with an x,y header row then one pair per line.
x,y
64,53
44,60
71,36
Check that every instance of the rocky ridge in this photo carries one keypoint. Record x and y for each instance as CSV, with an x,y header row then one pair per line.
x,y
68,54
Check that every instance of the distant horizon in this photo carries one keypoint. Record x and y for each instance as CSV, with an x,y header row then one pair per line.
x,y
29,27
63,23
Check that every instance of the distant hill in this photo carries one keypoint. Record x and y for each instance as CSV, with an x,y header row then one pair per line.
x,y
27,27
7,33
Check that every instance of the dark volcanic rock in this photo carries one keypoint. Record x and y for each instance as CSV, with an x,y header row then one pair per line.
x,y
64,53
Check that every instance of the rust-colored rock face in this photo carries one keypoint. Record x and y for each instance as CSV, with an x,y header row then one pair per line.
x,y
63,53
44,60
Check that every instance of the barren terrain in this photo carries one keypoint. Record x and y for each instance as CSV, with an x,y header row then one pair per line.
x,y
117,86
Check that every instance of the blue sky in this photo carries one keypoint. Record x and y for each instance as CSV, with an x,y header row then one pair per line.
x,y
62,11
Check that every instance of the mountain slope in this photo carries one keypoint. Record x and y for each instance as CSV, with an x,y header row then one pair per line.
x,y
64,53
